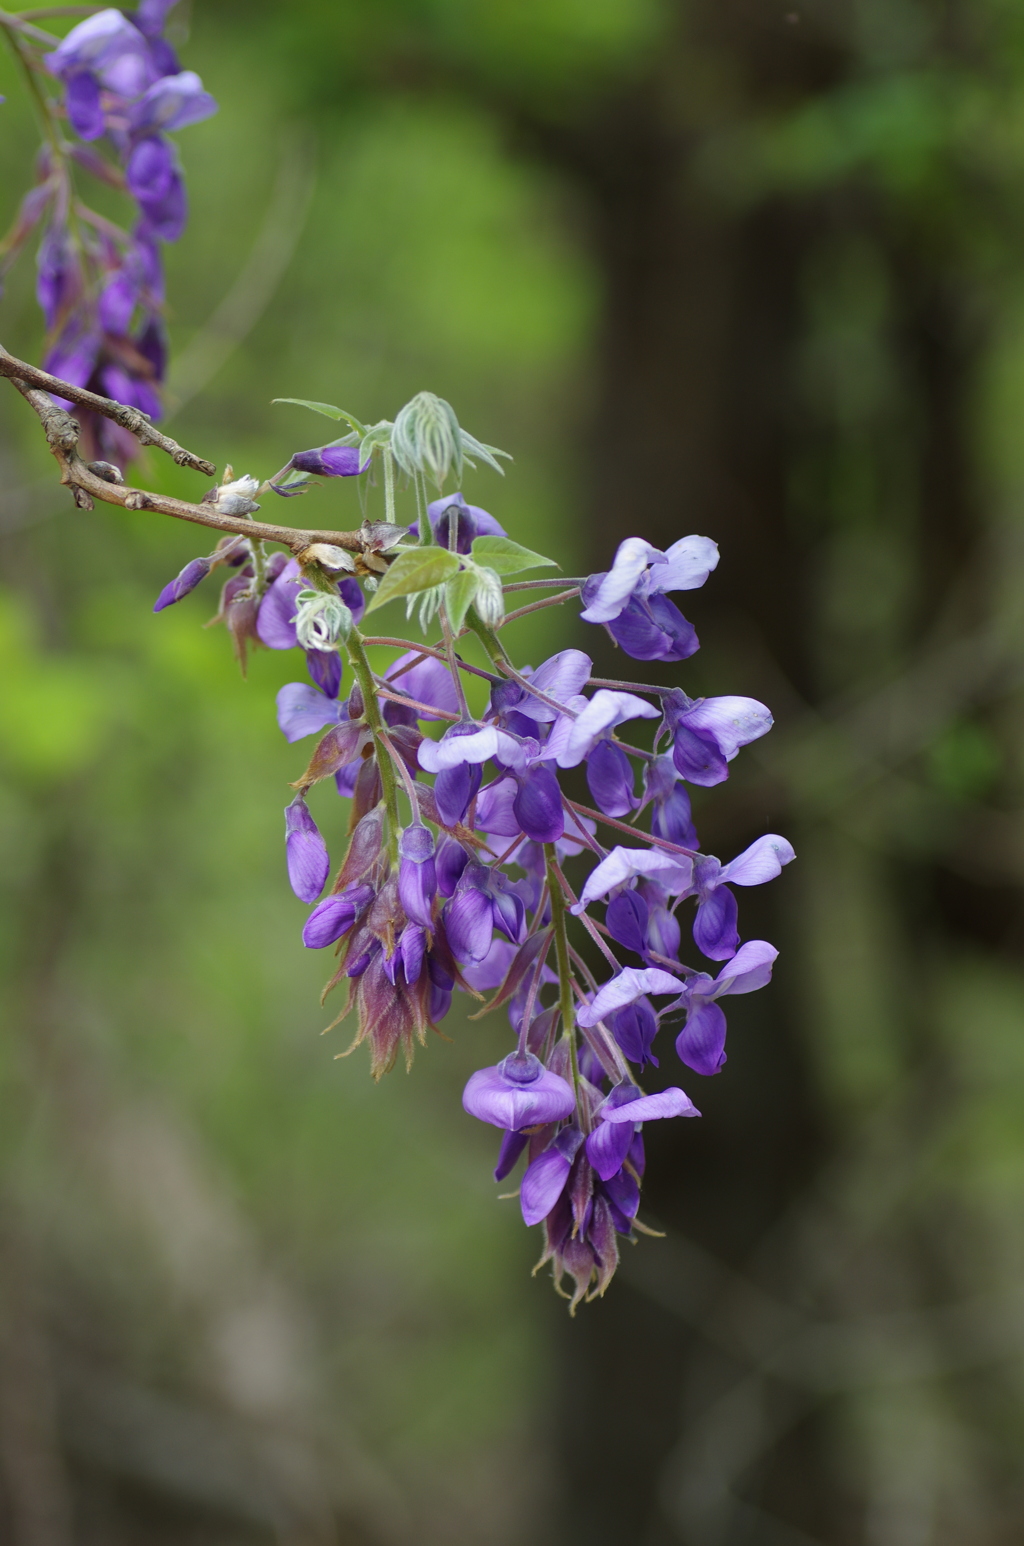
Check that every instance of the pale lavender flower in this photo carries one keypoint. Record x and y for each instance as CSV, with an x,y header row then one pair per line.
x,y
519,1092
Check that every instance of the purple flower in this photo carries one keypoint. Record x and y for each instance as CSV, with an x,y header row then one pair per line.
x,y
629,599
474,744
671,816
537,805
634,1027
450,861
708,732
302,710
180,586
417,875
701,1042
651,629
626,920
621,865
640,570
622,1115
425,679
109,49
714,926
519,1092
305,851
495,808
630,984
572,740
331,461
173,102
544,1179
472,522
560,677
335,916
610,779
82,100
154,181
484,900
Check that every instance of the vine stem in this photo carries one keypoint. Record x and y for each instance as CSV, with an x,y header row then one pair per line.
x,y
536,606
608,681
620,826
562,579
384,641
566,1002
371,708
453,664
496,650
404,774
383,691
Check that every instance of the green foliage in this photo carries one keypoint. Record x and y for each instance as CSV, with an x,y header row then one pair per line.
x,y
507,557
327,409
458,597
416,570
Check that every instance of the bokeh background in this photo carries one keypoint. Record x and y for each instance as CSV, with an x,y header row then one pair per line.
x,y
740,267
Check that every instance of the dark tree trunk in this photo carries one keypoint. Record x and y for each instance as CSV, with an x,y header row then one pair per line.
x,y
698,426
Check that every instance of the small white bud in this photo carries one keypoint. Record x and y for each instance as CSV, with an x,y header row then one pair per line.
x,y
233,498
330,556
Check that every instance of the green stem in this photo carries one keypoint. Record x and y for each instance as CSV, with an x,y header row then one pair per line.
x,y
565,998
371,708
389,486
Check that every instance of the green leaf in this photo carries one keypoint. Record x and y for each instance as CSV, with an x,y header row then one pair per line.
x,y
327,409
507,557
458,597
415,570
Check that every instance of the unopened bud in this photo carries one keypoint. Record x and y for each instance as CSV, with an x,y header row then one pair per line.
x,y
489,598
328,554
321,620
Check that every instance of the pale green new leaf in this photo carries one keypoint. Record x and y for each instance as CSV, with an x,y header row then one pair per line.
x,y
327,409
415,570
507,557
458,597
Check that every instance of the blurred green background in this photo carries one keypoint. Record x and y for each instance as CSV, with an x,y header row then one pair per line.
x,y
743,268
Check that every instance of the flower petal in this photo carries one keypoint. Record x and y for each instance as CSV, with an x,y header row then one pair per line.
x,y
542,1185
561,677
701,1042
302,710
631,983
732,722
614,588
749,969
672,1102
685,566
624,864
604,710
762,861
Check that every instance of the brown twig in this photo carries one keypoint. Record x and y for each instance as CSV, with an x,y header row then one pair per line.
x,y
62,433
129,418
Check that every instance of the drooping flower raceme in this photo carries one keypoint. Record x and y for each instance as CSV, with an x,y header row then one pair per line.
x,y
469,859
469,866
121,91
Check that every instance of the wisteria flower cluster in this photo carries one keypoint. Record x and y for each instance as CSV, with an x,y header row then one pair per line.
x,y
470,867
462,828
111,92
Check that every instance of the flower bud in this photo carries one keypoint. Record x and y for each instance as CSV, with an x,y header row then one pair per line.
x,y
322,619
335,916
183,583
305,852
417,875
